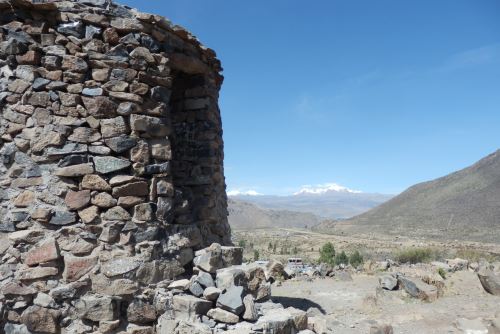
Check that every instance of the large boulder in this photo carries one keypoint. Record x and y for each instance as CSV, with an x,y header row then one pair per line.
x,y
228,277
489,280
388,282
280,321
232,300
187,307
417,288
275,270
209,259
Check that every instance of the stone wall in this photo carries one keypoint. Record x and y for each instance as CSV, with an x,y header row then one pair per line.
x,y
111,153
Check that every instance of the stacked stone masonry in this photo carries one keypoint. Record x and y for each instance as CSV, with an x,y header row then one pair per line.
x,y
111,159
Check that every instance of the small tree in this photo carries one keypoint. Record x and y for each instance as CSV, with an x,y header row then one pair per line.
x,y
274,247
256,255
341,259
356,259
270,246
295,250
327,254
242,243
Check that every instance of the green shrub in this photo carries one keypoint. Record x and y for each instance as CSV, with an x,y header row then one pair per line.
x,y
242,243
341,259
256,255
356,259
327,254
414,255
442,273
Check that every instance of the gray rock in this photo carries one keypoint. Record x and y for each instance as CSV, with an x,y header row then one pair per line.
x,y
224,316
11,328
232,300
75,159
63,218
97,307
26,72
106,165
196,289
388,282
120,266
205,280
91,31
186,307
490,281
415,287
228,277
75,29
13,47
44,300
182,284
250,313
157,168
209,259
92,91
277,321
232,256
40,84
154,126
69,148
121,143
141,312
95,3
211,293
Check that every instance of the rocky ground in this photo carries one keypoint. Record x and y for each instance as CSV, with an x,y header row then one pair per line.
x,y
355,301
355,305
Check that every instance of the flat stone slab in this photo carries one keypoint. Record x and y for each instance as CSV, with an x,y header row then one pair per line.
x,y
106,165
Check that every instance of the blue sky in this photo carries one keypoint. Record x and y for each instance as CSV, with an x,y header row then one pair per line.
x,y
372,95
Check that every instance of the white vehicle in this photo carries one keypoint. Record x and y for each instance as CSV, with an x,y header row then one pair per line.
x,y
295,263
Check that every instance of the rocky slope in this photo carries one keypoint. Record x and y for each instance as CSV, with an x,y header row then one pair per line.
x,y
463,205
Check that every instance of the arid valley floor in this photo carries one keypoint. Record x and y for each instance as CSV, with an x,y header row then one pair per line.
x,y
355,302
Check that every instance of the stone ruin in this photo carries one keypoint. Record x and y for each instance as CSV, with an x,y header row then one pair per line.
x,y
112,194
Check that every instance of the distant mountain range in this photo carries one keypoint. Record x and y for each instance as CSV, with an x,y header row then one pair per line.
x,y
327,201
244,215
464,205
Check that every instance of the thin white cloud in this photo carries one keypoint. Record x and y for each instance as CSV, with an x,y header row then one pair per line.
x,y
473,57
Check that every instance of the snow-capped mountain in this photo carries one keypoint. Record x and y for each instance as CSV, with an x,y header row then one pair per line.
x,y
243,193
328,200
324,188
